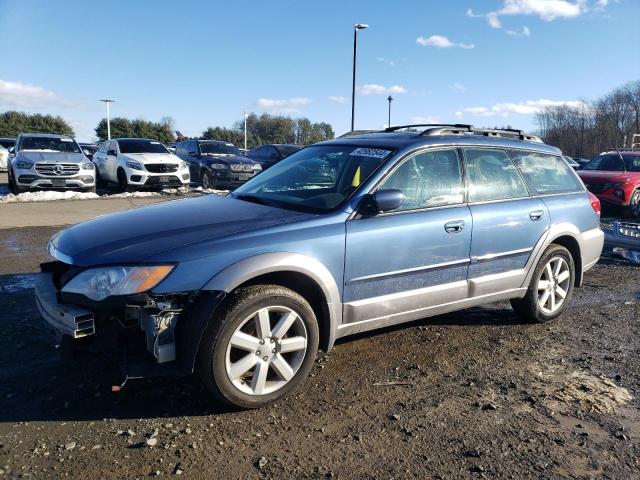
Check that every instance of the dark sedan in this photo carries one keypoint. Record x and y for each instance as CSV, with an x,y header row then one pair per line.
x,y
268,155
216,164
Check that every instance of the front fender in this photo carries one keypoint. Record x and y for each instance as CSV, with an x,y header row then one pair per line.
x,y
240,272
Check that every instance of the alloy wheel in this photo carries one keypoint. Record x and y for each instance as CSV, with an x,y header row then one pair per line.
x,y
553,285
266,350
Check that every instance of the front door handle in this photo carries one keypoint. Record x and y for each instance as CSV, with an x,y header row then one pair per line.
x,y
454,227
536,215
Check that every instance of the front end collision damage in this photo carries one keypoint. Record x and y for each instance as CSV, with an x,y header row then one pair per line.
x,y
148,335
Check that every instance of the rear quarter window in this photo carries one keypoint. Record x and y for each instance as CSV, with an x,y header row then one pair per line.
x,y
546,174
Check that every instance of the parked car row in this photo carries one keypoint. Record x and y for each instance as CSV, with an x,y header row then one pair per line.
x,y
41,161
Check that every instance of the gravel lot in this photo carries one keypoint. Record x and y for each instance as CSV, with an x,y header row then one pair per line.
x,y
470,394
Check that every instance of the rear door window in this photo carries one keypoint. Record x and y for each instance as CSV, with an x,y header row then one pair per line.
x,y
546,174
492,176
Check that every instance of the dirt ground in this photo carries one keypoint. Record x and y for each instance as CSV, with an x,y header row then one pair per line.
x,y
474,394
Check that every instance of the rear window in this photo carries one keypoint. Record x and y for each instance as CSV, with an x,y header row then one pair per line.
x,y
546,174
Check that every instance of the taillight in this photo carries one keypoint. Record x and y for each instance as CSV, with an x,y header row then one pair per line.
x,y
595,203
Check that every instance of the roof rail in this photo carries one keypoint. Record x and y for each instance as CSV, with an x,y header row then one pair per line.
x,y
430,125
487,132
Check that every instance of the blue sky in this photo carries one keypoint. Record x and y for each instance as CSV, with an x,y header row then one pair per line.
x,y
491,62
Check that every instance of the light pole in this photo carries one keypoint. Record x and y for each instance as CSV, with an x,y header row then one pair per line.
x,y
389,99
245,130
357,26
107,102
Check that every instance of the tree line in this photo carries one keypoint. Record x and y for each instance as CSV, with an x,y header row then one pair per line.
x,y
266,128
125,128
13,123
592,127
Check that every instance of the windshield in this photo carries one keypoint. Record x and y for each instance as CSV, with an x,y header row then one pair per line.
x,y
317,178
216,148
141,146
50,144
7,143
611,162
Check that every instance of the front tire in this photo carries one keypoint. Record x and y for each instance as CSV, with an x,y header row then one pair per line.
x,y
208,180
259,347
13,186
633,210
550,289
123,183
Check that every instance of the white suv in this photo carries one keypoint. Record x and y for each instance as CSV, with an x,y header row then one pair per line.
x,y
139,163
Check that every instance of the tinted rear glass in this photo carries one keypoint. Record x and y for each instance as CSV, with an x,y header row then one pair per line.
x,y
546,174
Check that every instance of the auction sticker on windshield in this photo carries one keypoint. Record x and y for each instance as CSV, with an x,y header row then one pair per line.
x,y
370,152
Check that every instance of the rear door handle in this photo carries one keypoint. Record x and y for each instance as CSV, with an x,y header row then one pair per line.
x,y
536,215
454,227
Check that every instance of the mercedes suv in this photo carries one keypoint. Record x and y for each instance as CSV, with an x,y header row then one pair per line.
x,y
403,224
44,161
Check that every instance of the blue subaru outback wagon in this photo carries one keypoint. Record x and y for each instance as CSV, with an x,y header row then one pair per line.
x,y
341,237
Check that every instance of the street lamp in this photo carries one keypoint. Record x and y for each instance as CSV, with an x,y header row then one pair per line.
x,y
106,103
245,130
357,26
389,99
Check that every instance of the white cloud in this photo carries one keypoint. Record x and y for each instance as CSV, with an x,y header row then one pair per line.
x,y
529,107
337,99
525,32
386,61
375,89
547,10
458,87
440,41
290,105
24,95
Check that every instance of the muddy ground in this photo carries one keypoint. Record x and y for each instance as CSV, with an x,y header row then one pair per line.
x,y
466,395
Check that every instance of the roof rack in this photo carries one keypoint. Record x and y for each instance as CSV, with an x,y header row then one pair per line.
x,y
430,125
434,129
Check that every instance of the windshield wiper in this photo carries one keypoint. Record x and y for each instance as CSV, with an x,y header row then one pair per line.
x,y
252,198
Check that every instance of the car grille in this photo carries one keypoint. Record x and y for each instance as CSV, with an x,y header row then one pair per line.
x,y
57,169
599,187
241,167
631,230
161,167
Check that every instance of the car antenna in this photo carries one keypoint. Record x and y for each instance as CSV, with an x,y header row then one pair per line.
x,y
624,165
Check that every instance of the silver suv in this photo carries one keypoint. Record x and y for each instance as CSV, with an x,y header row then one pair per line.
x,y
43,161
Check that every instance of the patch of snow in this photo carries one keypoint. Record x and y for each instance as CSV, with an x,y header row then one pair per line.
x,y
49,196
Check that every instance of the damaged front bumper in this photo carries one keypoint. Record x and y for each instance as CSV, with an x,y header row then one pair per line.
x,y
148,335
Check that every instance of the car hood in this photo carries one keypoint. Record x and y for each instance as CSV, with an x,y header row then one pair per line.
x,y
135,235
51,157
228,159
152,157
600,176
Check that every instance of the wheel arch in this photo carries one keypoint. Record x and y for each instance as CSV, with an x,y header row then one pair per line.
x,y
302,274
565,234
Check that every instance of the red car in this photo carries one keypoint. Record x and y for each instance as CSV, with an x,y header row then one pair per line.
x,y
615,179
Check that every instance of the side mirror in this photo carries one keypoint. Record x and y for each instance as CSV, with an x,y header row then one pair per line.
x,y
12,150
387,200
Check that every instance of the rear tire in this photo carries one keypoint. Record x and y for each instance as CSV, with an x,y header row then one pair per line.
x,y
550,289
259,347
